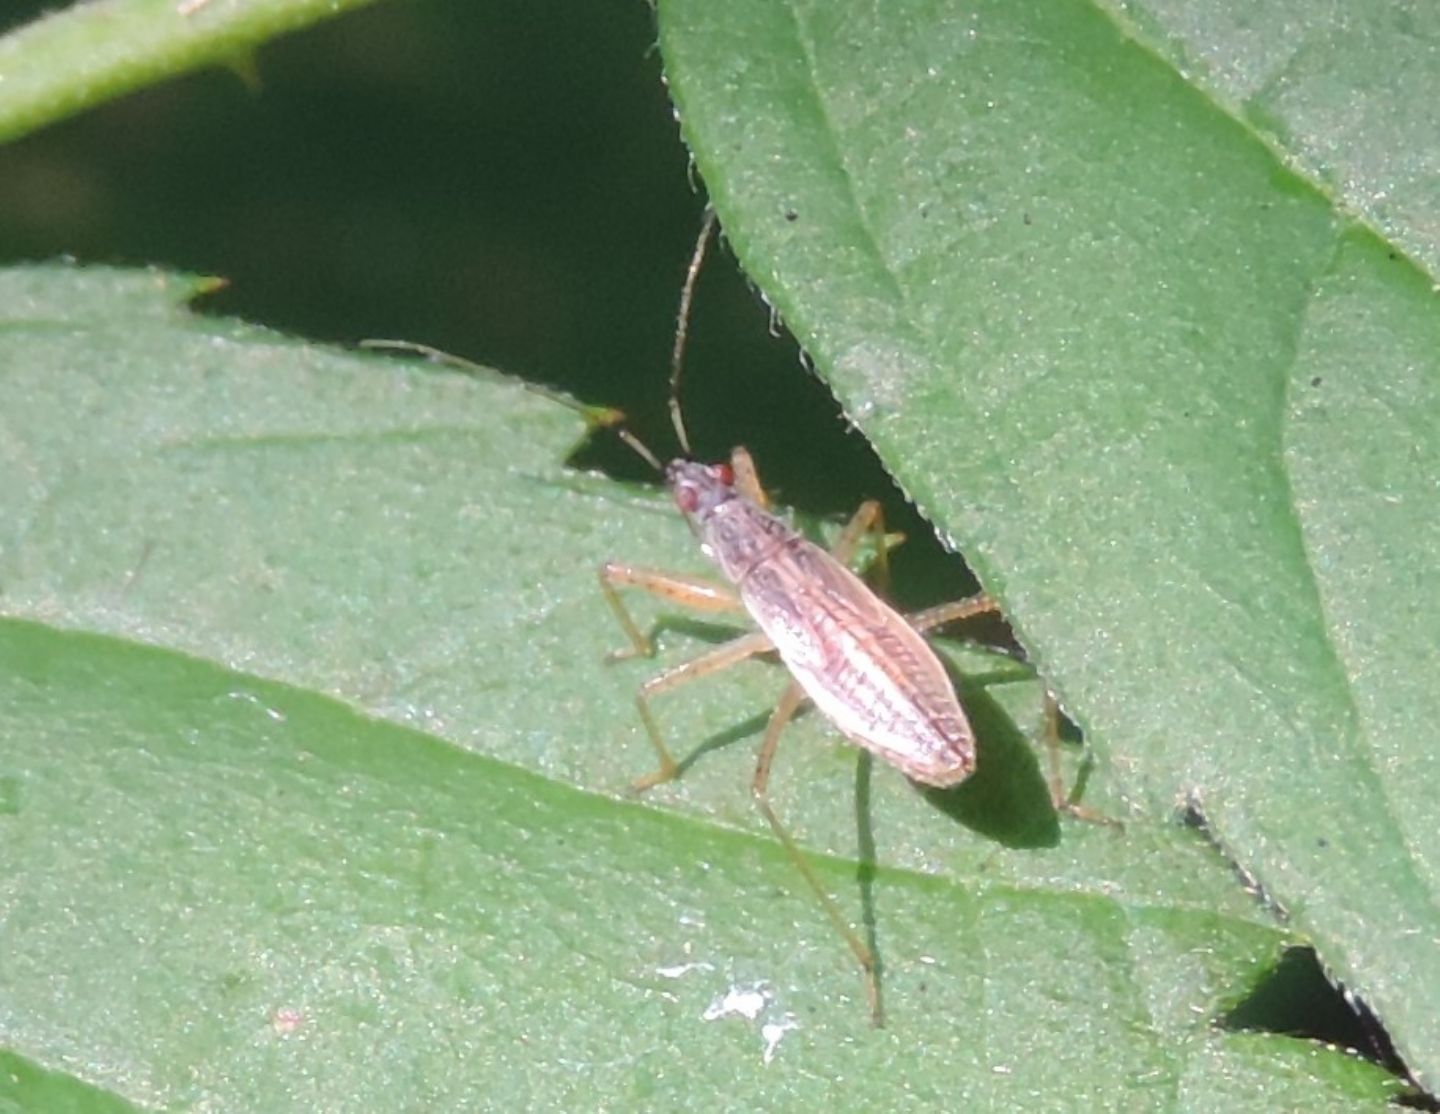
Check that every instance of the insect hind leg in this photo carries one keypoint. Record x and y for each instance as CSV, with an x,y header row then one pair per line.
x,y
1064,800
784,711
1067,800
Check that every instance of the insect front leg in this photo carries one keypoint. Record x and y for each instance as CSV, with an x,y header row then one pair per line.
x,y
747,477
868,520
694,592
784,711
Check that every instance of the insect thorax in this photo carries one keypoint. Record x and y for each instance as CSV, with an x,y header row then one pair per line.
x,y
738,535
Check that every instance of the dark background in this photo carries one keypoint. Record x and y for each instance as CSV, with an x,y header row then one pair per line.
x,y
502,180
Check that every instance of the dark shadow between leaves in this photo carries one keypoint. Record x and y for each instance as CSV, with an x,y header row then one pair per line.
x,y
1296,999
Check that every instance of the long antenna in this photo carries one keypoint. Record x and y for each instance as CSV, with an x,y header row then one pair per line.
x,y
602,416
682,325
596,417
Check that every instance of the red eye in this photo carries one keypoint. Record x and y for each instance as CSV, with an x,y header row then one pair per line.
x,y
725,474
686,499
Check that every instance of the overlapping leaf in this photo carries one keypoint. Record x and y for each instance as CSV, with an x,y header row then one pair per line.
x,y
1174,401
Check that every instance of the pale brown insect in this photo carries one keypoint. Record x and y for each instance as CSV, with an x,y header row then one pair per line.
x,y
863,665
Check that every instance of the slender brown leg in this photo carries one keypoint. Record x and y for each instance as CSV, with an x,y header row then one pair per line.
x,y
696,593
952,612
1061,798
747,478
1059,795
722,657
760,787
869,518
690,591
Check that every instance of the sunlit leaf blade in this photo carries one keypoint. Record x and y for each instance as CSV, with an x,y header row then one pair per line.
x,y
1342,93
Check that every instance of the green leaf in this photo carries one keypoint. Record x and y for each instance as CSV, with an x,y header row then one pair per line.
x,y
314,785
1343,94
24,1087
1174,403
92,52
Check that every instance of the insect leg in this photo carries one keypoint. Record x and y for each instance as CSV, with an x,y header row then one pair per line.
x,y
736,650
760,787
1058,795
952,612
1066,800
869,519
747,477
692,592
1062,799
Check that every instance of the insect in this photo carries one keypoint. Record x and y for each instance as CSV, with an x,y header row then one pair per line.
x,y
862,665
